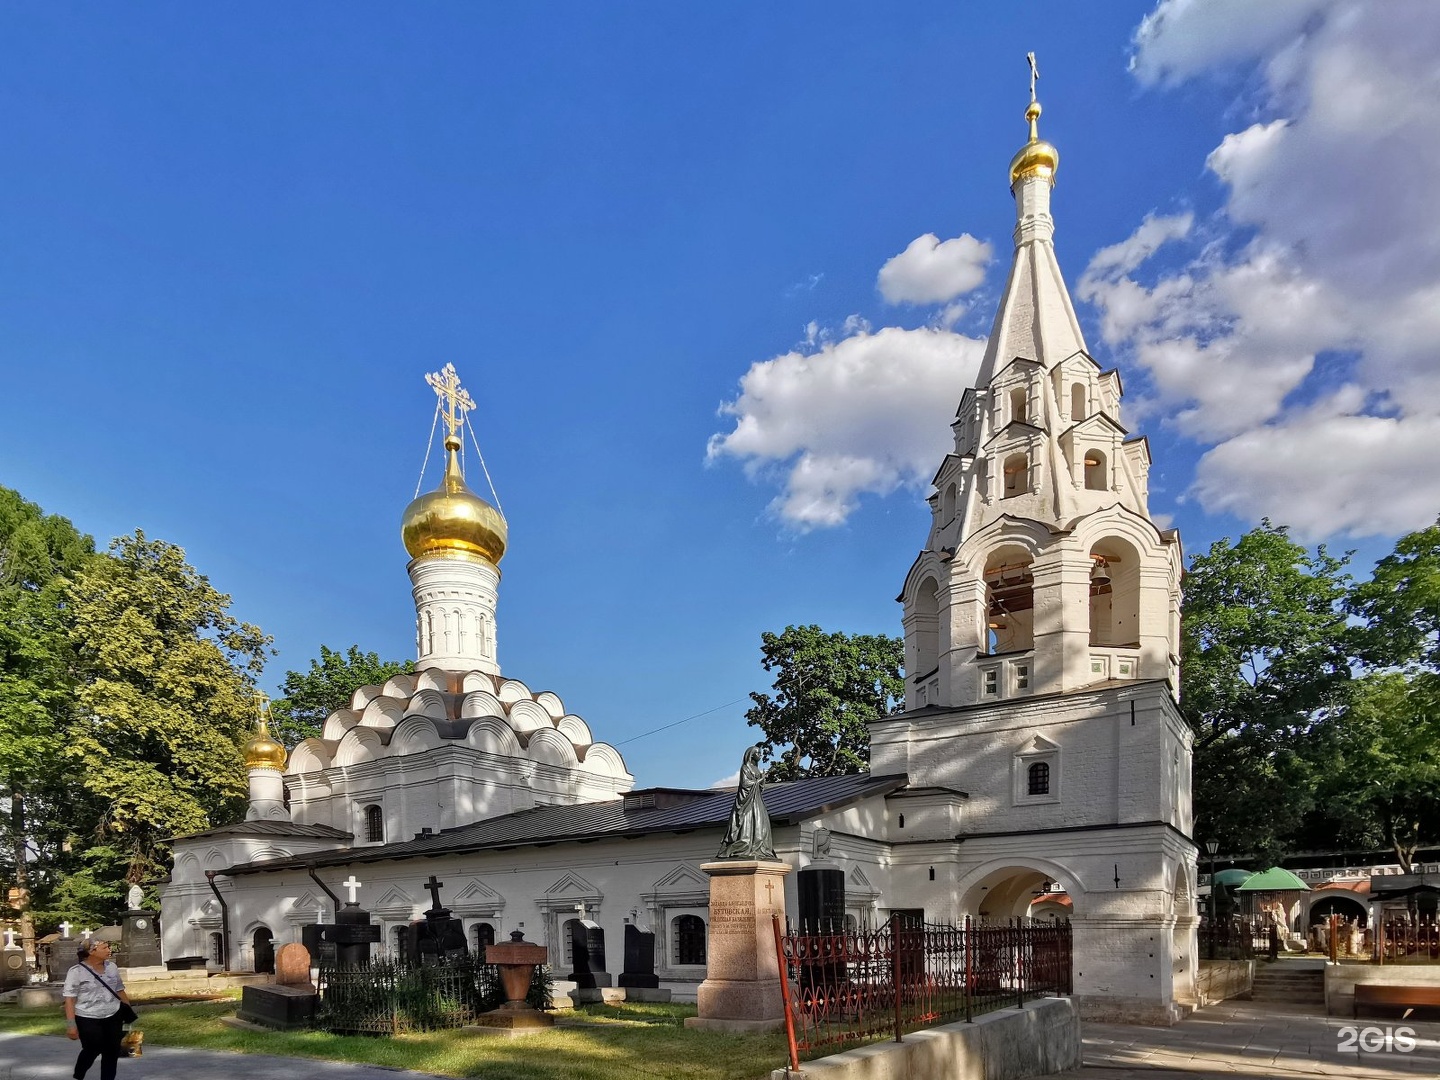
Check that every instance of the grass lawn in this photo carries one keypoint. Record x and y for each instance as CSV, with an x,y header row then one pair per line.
x,y
598,1042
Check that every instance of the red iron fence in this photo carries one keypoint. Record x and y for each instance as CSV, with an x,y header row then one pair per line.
x,y
859,986
1401,940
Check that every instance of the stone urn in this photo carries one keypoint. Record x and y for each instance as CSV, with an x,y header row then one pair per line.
x,y
517,960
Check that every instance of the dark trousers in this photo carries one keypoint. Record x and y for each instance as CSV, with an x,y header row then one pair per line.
x,y
98,1038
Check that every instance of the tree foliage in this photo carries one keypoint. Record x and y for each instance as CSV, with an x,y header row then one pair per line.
x,y
1401,604
828,687
166,697
308,697
1379,761
38,552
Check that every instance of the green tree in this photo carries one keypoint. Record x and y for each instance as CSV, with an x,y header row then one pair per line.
x,y
828,686
308,697
1265,654
1380,763
1401,604
165,700
37,553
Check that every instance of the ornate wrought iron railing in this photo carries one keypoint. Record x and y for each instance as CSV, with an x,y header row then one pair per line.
x,y
386,997
860,986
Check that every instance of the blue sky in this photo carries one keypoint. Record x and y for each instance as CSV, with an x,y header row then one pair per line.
x,y
233,240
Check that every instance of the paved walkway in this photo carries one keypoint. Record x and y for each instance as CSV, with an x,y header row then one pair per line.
x,y
1259,1039
48,1057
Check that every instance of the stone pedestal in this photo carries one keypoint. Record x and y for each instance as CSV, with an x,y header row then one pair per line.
x,y
14,971
742,991
517,960
283,1008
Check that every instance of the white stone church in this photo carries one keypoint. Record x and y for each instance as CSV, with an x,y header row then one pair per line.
x,y
1041,765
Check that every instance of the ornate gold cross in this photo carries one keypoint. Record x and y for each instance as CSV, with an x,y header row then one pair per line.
x,y
1034,73
452,395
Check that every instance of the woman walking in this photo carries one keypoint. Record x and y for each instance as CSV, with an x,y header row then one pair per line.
x,y
93,998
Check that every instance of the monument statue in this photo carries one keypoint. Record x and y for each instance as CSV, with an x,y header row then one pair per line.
x,y
748,834
135,897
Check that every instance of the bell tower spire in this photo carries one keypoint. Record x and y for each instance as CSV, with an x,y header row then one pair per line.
x,y
1011,595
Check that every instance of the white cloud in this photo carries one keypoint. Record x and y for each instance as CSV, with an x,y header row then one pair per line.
x,y
731,781
1327,244
932,271
1183,38
865,414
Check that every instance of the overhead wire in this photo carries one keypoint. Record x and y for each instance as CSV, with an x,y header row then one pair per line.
x,y
677,723
434,423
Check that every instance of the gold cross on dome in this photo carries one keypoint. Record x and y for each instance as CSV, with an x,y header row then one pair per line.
x,y
452,395
1034,73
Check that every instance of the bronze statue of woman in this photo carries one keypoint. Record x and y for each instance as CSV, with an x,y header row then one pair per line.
x,y
748,835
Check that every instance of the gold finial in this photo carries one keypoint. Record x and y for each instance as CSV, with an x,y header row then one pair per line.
x,y
1036,157
261,751
453,397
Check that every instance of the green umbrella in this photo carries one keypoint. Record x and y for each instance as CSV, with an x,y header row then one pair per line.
x,y
1276,879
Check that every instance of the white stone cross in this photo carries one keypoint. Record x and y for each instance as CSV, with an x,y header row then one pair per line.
x,y
580,907
85,934
351,885
64,929
9,938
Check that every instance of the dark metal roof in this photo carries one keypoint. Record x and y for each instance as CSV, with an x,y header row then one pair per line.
x,y
271,828
543,825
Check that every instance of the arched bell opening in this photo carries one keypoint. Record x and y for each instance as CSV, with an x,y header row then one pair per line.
x,y
1097,471
1009,601
1114,594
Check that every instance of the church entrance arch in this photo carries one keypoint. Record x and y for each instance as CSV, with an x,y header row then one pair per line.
x,y
1011,890
262,947
1323,905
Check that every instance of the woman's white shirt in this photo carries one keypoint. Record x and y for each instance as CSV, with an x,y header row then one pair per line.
x,y
93,1001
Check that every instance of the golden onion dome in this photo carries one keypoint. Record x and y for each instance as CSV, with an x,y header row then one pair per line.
x,y
263,752
452,520
1037,157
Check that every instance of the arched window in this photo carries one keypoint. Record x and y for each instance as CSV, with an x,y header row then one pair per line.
x,y
926,628
1097,476
483,934
374,825
1017,476
399,936
947,504
217,950
1039,778
1018,406
687,939
1009,602
1079,406
263,948
1114,595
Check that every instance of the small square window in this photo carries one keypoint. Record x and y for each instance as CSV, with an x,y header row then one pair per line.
x,y
1022,676
992,683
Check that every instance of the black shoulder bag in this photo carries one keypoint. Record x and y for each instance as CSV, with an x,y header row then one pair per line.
x,y
127,1014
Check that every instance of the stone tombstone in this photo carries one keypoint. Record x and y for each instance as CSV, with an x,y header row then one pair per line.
x,y
742,991
14,971
139,939
345,942
435,939
292,966
639,969
59,955
587,948
820,890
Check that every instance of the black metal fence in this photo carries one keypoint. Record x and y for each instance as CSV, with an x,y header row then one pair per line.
x,y
387,997
1237,939
859,986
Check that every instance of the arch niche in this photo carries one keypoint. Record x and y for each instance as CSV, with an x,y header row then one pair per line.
x,y
1014,890
1009,601
1345,904
1114,594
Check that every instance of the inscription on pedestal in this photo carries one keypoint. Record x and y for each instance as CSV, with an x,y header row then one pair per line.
x,y
732,917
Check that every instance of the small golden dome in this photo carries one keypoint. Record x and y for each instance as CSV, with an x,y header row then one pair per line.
x,y
452,520
1037,157
263,752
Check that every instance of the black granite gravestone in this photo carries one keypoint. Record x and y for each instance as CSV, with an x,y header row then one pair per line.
x,y
821,892
440,937
639,959
345,942
59,956
587,947
14,971
139,940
